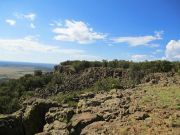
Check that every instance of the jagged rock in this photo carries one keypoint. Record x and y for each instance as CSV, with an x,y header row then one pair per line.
x,y
34,115
60,114
81,105
95,128
87,95
79,121
55,132
11,124
113,103
56,125
103,97
28,120
141,115
93,102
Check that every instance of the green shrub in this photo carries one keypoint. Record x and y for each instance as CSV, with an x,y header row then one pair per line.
x,y
66,98
107,84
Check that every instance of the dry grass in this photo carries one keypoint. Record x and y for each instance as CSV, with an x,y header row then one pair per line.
x,y
15,72
162,97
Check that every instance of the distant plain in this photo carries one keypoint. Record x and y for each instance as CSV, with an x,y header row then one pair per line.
x,y
13,70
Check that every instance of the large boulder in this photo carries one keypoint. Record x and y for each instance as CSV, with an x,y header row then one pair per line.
x,y
79,121
95,128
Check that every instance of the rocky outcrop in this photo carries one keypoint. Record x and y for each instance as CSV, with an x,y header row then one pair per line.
x,y
92,110
27,121
33,118
11,124
84,79
79,121
116,112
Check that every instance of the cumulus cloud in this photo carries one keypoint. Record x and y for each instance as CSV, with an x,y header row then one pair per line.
x,y
77,31
139,40
11,22
30,44
172,51
31,49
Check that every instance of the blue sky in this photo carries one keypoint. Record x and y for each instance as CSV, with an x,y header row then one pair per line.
x,y
50,31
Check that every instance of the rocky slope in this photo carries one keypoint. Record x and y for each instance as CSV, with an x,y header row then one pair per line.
x,y
84,79
149,108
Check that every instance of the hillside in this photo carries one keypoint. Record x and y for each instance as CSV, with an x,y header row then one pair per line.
x,y
89,98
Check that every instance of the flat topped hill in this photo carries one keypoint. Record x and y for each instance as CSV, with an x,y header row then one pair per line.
x,y
149,108
88,98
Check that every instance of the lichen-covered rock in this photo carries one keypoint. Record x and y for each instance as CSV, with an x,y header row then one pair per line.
x,y
11,124
95,128
34,115
141,115
27,121
55,132
59,113
79,121
56,125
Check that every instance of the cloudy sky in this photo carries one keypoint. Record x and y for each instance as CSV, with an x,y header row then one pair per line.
x,y
50,31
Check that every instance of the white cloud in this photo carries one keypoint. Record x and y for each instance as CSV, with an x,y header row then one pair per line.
x,y
77,31
29,44
143,57
139,57
32,26
31,50
28,16
11,22
139,40
173,50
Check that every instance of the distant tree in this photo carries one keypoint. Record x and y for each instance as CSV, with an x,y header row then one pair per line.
x,y
113,64
135,72
123,64
166,66
104,63
96,64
